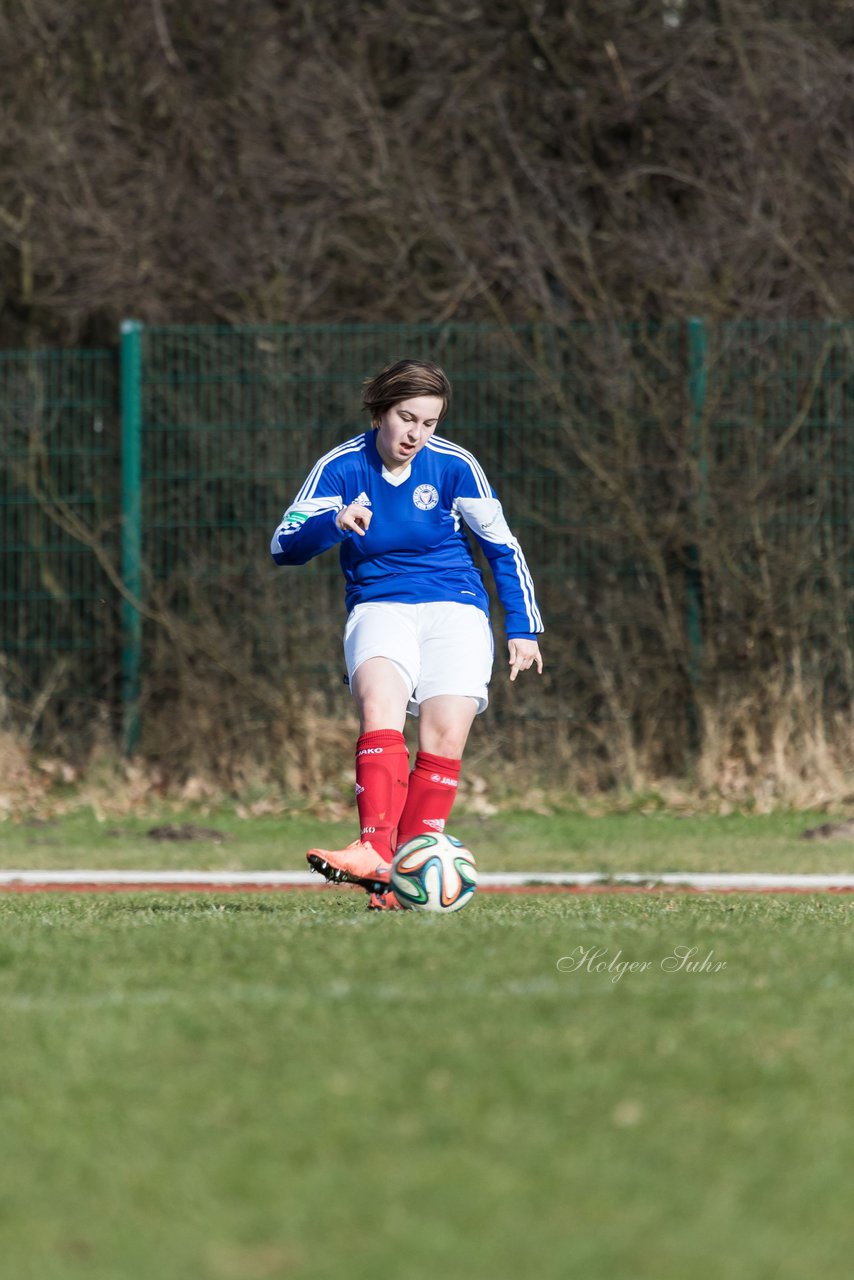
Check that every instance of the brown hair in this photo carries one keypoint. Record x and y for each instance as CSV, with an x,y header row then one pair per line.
x,y
403,381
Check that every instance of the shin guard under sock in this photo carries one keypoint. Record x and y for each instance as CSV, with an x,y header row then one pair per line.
x,y
432,791
382,772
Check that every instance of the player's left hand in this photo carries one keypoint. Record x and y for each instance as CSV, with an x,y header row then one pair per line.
x,y
523,654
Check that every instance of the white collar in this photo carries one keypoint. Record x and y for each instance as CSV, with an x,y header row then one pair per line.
x,y
398,479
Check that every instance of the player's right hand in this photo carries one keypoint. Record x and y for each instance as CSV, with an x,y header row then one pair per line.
x,y
354,519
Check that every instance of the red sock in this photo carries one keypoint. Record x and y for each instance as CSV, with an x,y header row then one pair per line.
x,y
431,795
382,768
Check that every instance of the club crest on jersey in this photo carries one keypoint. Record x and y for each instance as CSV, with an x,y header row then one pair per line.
x,y
425,497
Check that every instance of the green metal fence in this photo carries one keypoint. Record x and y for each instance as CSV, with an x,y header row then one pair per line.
x,y
59,638
680,490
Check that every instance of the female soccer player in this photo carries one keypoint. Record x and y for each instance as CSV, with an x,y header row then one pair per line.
x,y
417,636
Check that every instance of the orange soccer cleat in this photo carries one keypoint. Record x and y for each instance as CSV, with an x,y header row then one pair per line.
x,y
359,863
383,902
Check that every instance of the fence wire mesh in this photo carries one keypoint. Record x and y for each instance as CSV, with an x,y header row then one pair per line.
x,y
59,445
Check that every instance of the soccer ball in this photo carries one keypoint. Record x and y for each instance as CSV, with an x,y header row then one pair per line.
x,y
433,873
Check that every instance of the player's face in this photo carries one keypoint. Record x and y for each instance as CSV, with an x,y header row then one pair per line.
x,y
405,428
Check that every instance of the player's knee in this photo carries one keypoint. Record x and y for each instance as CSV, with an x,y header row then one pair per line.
x,y
443,740
378,710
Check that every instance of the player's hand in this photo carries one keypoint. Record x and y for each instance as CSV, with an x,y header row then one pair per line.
x,y
354,519
524,654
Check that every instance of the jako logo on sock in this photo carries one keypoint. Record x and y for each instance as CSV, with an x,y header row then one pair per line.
x,y
370,751
446,782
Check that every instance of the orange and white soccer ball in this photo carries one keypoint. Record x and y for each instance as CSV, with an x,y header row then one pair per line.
x,y
433,873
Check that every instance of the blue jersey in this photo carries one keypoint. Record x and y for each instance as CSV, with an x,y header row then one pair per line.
x,y
415,548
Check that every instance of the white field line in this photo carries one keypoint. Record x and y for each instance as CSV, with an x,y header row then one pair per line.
x,y
496,880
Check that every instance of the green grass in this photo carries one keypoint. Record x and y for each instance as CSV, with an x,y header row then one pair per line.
x,y
281,1085
570,841
284,1086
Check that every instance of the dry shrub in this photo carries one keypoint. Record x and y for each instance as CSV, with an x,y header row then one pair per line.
x,y
778,747
23,788
344,160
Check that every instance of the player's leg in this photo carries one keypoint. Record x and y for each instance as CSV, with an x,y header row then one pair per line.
x,y
443,727
456,665
381,695
382,661
444,723
382,756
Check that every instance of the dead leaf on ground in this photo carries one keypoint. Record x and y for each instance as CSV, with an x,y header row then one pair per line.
x,y
831,831
186,832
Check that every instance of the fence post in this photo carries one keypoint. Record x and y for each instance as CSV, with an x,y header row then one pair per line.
x,y
131,532
697,379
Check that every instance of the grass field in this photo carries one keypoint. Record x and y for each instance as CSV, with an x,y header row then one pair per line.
x,y
520,841
242,1086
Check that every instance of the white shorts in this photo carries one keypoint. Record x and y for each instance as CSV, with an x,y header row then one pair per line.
x,y
438,647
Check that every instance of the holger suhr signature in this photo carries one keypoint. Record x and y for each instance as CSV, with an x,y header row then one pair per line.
x,y
681,959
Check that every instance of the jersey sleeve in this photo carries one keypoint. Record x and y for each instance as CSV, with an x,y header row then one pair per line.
x,y
477,504
308,526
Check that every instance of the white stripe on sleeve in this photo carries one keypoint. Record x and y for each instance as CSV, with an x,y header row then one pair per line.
x,y
349,446
485,517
